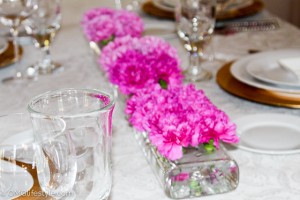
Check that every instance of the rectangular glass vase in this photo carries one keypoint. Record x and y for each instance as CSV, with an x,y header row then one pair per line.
x,y
196,174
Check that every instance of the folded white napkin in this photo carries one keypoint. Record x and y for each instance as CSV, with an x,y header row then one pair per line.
x,y
292,64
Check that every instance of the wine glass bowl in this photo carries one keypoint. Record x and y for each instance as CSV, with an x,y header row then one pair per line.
x,y
43,25
195,20
12,14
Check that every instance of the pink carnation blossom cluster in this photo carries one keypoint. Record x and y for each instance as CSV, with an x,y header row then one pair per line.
x,y
178,117
147,68
136,63
101,24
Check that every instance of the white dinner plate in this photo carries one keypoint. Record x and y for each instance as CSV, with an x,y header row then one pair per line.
x,y
239,69
270,71
15,181
269,133
23,138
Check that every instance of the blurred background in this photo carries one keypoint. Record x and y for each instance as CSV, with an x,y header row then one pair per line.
x,y
288,10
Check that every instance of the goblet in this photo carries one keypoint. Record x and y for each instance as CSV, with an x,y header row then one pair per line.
x,y
43,25
88,117
195,21
12,13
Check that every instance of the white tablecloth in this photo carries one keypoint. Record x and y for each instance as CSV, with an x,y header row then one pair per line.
x,y
264,177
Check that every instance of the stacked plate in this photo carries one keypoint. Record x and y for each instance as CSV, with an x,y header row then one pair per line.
x,y
226,9
223,6
272,78
168,5
266,71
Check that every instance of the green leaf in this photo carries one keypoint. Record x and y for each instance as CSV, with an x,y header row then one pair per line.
x,y
194,184
163,84
105,42
209,147
184,150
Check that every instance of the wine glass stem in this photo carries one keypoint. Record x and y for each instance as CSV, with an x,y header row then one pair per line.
x,y
194,59
195,51
14,33
118,4
46,57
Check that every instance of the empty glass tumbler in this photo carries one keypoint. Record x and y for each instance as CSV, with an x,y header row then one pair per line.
x,y
87,114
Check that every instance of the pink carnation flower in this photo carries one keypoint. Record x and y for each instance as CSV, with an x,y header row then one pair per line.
x,y
179,117
128,23
116,49
103,23
135,63
96,12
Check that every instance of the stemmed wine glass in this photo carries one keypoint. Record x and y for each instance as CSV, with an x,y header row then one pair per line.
x,y
195,20
43,25
12,13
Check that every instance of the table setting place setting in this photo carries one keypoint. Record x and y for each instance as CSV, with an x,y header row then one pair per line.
x,y
148,99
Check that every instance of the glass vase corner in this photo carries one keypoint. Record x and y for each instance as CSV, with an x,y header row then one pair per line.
x,y
198,173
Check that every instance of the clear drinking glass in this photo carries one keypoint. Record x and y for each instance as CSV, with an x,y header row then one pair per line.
x,y
12,13
21,158
195,20
88,117
56,156
43,25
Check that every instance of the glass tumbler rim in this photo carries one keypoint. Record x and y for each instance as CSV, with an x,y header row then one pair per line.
x,y
104,108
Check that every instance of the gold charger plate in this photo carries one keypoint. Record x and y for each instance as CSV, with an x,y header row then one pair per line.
x,y
7,57
257,5
149,8
35,192
227,82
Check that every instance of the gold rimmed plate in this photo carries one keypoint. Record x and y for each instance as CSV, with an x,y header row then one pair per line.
x,y
3,45
256,6
7,57
151,9
228,82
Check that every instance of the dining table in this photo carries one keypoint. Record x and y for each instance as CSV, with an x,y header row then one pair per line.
x,y
262,176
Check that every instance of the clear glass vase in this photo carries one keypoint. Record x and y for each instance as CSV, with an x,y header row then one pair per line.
x,y
198,173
